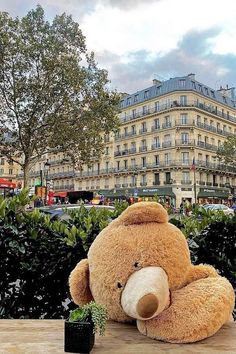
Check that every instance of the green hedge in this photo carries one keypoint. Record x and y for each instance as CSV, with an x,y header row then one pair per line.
x,y
37,256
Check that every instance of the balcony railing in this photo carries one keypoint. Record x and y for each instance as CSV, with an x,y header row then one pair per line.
x,y
132,151
166,125
143,183
156,146
166,144
186,182
117,185
143,131
184,142
179,104
142,148
156,183
155,127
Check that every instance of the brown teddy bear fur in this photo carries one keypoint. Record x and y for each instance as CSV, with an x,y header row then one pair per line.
x,y
201,300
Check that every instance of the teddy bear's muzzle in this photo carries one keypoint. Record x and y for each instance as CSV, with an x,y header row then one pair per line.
x,y
146,293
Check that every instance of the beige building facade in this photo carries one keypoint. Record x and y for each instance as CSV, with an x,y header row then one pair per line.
x,y
166,146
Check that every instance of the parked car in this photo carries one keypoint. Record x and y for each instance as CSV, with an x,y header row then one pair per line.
x,y
219,207
233,207
59,212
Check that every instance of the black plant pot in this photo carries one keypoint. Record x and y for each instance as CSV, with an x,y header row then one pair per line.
x,y
79,337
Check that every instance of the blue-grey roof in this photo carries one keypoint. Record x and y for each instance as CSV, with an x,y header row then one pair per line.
x,y
176,84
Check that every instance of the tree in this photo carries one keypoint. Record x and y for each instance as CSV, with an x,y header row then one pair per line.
x,y
53,97
227,152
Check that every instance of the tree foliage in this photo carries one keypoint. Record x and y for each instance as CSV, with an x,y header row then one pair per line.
x,y
53,97
227,153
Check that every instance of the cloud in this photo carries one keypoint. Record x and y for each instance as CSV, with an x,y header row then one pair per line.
x,y
193,54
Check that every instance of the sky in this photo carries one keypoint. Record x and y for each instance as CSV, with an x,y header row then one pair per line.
x,y
139,40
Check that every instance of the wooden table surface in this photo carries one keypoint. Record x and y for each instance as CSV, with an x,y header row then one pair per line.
x,y
47,336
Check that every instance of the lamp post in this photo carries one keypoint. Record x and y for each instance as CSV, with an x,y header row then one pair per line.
x,y
46,170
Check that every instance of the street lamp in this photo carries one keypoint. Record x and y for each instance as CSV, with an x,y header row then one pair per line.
x,y
46,170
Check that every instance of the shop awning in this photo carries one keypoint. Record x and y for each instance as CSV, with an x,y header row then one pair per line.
x,y
140,192
60,194
161,192
4,183
213,193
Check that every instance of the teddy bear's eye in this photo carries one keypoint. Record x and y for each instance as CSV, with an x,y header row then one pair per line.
x,y
119,285
136,264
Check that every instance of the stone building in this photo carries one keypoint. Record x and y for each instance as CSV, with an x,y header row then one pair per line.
x,y
166,146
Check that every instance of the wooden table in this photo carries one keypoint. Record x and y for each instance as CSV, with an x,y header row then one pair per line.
x,y
47,336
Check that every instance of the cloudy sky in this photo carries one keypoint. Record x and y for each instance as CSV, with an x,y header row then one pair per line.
x,y
138,40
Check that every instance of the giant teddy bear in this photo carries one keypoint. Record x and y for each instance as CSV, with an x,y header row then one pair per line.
x,y
139,267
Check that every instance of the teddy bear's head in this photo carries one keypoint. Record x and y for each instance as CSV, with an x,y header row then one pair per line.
x,y
133,263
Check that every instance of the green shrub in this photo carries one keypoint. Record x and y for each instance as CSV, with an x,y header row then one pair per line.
x,y
35,263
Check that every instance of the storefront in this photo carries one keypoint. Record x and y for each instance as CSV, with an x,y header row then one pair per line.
x,y
6,187
212,195
163,194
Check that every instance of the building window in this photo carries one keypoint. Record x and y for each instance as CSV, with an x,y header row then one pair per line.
x,y
133,129
200,88
145,111
157,123
156,142
213,94
157,106
10,171
144,127
136,98
167,158
125,164
158,90
144,161
126,131
107,150
118,165
134,113
186,176
167,122
143,180
128,100
168,177
184,138
183,100
107,167
2,161
206,91
122,103
194,85
156,160
183,118
182,83
156,179
146,94
133,164
185,158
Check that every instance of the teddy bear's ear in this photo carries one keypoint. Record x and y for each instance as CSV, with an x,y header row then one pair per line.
x,y
79,283
144,212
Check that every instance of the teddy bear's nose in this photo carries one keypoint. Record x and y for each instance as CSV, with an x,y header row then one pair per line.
x,y
147,306
146,293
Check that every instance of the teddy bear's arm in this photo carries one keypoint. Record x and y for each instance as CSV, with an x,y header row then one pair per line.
x,y
200,271
197,311
79,283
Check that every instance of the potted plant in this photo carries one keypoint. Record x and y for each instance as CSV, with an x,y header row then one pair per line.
x,y
81,326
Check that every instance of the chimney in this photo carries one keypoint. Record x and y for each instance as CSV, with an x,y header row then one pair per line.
x,y
191,76
156,82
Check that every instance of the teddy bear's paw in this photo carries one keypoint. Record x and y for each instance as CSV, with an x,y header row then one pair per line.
x,y
197,311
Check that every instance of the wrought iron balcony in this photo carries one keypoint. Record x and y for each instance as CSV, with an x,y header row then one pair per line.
x,y
186,182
